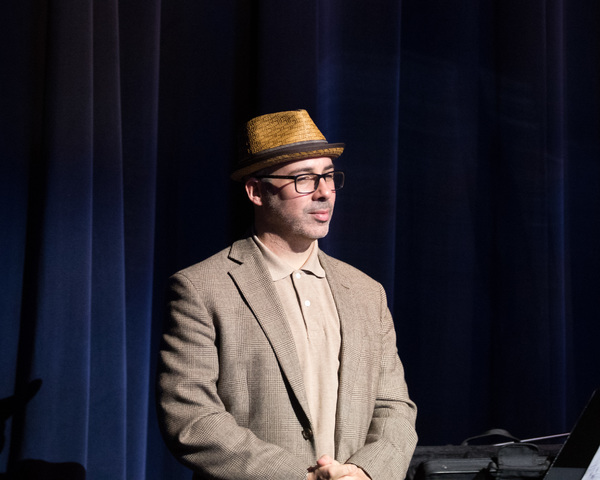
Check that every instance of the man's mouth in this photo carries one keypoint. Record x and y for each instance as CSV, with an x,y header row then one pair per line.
x,y
321,215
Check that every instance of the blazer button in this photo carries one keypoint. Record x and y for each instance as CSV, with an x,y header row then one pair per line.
x,y
307,433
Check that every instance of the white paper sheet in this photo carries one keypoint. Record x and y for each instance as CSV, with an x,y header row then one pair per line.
x,y
593,471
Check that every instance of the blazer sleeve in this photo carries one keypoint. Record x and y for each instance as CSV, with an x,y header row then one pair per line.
x,y
391,438
194,421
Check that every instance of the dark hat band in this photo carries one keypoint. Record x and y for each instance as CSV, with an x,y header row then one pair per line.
x,y
286,154
281,137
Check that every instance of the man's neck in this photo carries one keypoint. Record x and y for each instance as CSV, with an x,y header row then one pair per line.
x,y
295,255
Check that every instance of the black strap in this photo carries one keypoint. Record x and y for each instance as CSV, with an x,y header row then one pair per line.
x,y
493,432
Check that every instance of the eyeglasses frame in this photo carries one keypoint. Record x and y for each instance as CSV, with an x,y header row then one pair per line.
x,y
318,177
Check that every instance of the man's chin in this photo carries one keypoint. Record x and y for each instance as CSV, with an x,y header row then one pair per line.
x,y
320,232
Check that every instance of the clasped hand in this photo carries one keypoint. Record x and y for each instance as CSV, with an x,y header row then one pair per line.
x,y
329,469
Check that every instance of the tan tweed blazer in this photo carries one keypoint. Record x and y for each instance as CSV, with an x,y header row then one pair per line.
x,y
231,398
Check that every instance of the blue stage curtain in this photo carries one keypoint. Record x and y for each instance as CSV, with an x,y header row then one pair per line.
x,y
472,134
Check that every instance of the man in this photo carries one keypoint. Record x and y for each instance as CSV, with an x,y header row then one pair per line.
x,y
278,361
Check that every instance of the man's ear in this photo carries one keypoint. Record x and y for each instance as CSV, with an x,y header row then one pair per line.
x,y
254,191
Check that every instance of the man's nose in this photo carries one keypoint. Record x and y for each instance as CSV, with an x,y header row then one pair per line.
x,y
323,189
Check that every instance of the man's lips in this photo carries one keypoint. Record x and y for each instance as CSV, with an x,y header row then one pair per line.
x,y
321,215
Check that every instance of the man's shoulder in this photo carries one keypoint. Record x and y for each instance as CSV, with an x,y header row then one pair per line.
x,y
215,262
221,262
335,266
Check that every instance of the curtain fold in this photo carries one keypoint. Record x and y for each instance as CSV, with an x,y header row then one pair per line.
x,y
84,328
473,177
139,34
55,327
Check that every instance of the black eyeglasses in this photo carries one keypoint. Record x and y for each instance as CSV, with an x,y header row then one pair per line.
x,y
309,182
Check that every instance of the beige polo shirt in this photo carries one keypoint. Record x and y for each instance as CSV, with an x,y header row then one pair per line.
x,y
315,325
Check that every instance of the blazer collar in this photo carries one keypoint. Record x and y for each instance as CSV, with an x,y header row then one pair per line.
x,y
256,286
353,339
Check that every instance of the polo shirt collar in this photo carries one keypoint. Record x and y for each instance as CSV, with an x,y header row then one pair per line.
x,y
279,269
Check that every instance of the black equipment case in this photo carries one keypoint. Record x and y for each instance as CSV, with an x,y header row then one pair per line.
x,y
509,462
516,460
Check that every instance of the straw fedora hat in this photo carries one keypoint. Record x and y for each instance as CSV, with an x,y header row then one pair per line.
x,y
278,138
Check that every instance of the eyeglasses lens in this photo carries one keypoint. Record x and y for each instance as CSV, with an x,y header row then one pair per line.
x,y
310,182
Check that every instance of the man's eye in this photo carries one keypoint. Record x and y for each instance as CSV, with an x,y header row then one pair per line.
x,y
305,179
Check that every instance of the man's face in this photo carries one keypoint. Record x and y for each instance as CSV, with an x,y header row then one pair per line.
x,y
294,216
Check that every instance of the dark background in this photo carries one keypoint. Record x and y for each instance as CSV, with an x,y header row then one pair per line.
x,y
473,195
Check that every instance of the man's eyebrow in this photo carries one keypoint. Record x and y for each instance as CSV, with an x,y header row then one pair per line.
x,y
301,170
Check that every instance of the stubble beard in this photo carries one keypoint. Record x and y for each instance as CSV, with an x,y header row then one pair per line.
x,y
304,227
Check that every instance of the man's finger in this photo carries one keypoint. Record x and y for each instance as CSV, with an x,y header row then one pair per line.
x,y
339,471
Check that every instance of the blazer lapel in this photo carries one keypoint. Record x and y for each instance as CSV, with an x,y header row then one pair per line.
x,y
256,286
352,331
